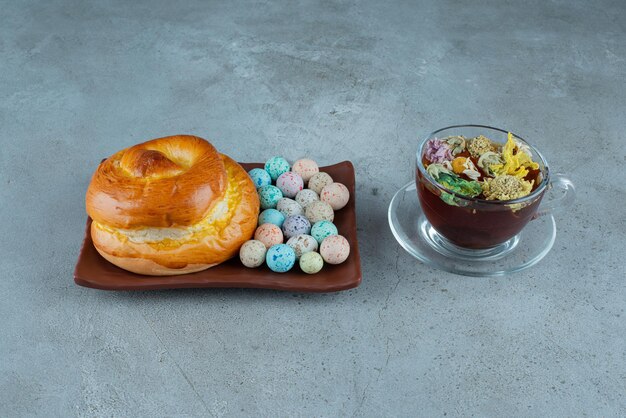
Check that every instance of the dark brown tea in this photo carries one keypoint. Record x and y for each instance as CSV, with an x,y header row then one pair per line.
x,y
478,225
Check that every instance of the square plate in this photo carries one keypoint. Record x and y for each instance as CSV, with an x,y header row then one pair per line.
x,y
94,271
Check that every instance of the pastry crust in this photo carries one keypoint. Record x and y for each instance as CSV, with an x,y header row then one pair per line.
x,y
173,247
167,181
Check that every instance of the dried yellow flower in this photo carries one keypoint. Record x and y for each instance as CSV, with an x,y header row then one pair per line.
x,y
506,187
516,161
480,145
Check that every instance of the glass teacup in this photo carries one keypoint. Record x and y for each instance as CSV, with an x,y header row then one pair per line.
x,y
468,223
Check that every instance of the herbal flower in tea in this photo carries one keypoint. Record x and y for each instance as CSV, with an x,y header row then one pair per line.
x,y
481,168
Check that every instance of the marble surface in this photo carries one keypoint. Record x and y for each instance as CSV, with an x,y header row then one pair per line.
x,y
336,80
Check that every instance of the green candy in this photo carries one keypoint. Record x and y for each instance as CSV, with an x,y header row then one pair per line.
x,y
276,166
269,196
323,229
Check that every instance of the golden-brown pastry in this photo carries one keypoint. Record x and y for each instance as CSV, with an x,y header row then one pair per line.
x,y
171,205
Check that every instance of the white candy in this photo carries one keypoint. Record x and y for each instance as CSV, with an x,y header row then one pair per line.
x,y
306,167
302,244
252,253
319,211
336,195
318,181
306,196
289,207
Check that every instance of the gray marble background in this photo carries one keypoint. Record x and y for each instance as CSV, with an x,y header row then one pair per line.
x,y
336,80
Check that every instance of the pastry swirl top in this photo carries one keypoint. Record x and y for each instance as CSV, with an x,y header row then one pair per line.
x,y
165,182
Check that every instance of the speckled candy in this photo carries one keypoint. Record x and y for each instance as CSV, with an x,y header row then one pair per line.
x,y
335,249
296,225
319,211
260,177
306,196
323,229
269,234
318,181
289,207
269,196
336,195
271,216
290,183
302,244
306,167
280,258
276,166
252,253
311,263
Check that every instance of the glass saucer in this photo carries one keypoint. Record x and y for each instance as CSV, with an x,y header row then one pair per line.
x,y
417,236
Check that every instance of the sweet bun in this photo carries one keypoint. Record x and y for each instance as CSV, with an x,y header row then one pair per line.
x,y
171,205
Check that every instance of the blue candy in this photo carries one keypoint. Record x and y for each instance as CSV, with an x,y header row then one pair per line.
x,y
271,216
269,196
260,177
280,258
276,166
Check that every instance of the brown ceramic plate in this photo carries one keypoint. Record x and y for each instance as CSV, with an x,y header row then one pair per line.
x,y
94,271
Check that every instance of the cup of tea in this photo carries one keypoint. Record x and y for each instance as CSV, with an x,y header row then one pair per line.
x,y
479,186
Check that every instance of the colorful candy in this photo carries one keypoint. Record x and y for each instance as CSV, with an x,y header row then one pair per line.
x,y
290,183
319,211
280,258
306,167
311,263
323,229
276,166
335,249
284,218
260,177
336,195
252,253
269,196
318,181
296,225
302,244
269,234
271,216
289,207
306,196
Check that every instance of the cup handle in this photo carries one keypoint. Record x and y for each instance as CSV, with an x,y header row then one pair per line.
x,y
565,199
